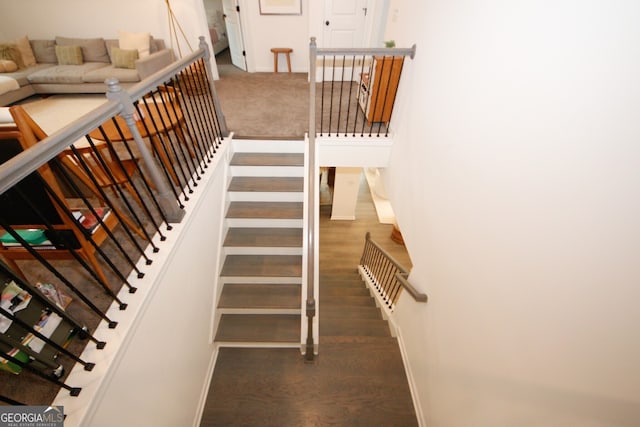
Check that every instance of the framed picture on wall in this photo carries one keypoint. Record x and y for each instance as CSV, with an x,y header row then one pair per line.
x,y
280,7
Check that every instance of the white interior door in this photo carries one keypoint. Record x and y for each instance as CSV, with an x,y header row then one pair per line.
x,y
344,23
231,11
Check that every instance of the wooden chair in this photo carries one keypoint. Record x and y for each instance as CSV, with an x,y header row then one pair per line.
x,y
168,97
120,175
108,172
46,210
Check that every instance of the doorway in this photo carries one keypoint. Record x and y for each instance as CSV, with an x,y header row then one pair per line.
x,y
225,30
231,12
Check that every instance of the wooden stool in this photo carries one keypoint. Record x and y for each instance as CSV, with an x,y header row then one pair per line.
x,y
276,51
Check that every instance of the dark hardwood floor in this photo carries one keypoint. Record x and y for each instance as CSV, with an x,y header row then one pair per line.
x,y
358,377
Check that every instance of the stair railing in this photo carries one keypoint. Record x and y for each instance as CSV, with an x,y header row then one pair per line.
x,y
387,276
144,205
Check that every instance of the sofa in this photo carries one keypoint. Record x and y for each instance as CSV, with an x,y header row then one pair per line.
x,y
77,65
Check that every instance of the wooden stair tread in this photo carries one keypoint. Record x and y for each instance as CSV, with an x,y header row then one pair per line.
x,y
265,210
365,312
267,184
351,300
267,159
267,328
263,237
260,295
262,266
344,291
354,327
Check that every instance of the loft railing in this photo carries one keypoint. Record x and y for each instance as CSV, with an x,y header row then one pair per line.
x,y
356,89
386,275
132,162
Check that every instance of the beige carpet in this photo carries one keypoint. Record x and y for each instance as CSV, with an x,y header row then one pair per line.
x,y
265,104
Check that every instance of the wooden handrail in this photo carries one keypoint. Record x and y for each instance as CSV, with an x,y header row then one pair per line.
x,y
389,290
418,296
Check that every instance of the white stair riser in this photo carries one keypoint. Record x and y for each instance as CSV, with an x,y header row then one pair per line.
x,y
258,344
263,222
260,310
266,171
258,196
267,146
260,279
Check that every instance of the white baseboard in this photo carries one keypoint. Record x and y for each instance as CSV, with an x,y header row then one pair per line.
x,y
410,378
205,390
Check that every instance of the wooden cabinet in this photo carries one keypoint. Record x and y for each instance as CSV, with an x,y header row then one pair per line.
x,y
378,88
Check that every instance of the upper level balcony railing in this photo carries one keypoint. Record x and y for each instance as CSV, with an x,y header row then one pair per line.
x,y
84,210
356,89
352,93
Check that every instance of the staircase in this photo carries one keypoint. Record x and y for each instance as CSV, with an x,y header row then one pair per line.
x,y
348,311
359,363
260,302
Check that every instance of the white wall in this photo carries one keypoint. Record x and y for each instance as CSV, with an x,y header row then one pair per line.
x,y
213,9
515,179
77,18
262,32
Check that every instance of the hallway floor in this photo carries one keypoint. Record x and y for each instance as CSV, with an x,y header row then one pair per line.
x,y
354,381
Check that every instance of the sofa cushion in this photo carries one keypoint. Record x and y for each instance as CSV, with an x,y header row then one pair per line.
x,y
44,51
23,45
7,84
139,41
7,66
21,75
124,58
93,50
124,75
156,45
62,74
10,52
69,55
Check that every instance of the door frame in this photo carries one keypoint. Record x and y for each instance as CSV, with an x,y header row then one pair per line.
x,y
241,33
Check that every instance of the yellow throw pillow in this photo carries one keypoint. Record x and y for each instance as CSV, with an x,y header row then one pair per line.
x,y
7,66
124,58
69,55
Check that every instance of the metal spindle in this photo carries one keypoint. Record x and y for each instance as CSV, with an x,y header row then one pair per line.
x,y
87,366
6,271
312,100
115,211
74,391
385,274
67,242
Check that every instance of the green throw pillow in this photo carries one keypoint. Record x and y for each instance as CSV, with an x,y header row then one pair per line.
x,y
123,58
69,55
